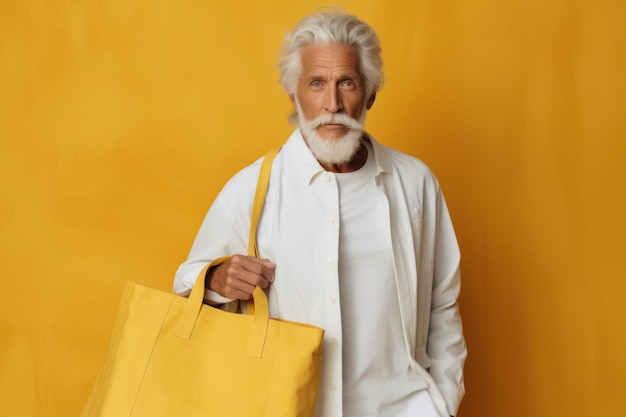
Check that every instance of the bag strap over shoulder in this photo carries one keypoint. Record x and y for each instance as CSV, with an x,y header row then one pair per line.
x,y
260,308
259,198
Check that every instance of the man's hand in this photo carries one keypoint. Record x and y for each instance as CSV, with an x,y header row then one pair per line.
x,y
239,276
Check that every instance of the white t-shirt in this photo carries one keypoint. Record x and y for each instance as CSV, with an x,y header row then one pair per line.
x,y
377,380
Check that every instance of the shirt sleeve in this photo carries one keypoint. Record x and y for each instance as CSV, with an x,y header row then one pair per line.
x,y
446,344
224,232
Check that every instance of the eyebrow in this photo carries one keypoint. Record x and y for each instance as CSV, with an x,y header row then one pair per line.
x,y
345,76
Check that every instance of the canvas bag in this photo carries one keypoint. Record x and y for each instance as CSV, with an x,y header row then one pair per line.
x,y
172,356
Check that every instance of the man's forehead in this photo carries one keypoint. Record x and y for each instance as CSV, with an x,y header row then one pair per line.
x,y
336,58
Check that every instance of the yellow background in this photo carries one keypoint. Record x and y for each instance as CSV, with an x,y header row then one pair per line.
x,y
121,120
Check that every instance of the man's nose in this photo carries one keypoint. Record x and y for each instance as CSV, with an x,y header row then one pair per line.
x,y
333,101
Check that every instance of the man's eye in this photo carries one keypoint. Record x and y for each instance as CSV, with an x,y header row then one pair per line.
x,y
348,84
316,84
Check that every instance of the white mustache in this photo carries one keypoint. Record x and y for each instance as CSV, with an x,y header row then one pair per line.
x,y
340,119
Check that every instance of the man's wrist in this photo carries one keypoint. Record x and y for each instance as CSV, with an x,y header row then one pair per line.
x,y
208,276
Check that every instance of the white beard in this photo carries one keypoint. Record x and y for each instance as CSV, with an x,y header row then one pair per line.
x,y
332,151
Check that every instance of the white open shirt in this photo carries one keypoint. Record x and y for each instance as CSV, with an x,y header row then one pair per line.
x,y
299,231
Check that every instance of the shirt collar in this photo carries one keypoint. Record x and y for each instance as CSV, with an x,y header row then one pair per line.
x,y
297,150
381,156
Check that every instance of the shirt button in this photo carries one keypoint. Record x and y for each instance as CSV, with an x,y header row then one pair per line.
x,y
327,178
331,298
333,341
329,260
331,220
333,387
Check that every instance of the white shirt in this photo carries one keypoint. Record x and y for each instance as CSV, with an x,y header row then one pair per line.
x,y
299,231
377,379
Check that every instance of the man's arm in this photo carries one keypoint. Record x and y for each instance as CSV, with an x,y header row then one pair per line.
x,y
446,344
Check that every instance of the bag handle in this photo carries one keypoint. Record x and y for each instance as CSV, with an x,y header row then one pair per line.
x,y
259,198
192,307
257,209
259,307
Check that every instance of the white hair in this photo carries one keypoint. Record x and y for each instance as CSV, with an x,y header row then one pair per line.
x,y
331,27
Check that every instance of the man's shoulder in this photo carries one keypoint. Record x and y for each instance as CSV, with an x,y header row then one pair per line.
x,y
242,185
401,163
405,159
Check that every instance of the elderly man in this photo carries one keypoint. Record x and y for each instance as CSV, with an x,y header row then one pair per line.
x,y
354,237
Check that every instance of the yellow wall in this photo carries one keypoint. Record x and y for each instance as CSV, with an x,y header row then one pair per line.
x,y
120,120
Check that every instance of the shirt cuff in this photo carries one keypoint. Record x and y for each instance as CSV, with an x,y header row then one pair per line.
x,y
214,299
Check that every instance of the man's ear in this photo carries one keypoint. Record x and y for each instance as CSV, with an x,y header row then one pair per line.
x,y
293,100
370,101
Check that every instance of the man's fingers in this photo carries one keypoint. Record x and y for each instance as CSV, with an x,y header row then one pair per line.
x,y
252,270
240,275
240,290
267,269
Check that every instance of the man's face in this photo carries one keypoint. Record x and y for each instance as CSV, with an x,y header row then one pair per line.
x,y
330,84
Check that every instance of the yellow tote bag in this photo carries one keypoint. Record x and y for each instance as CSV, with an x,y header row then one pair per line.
x,y
173,356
